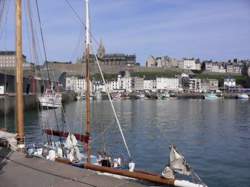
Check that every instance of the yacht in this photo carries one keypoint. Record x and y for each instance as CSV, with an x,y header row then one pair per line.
x,y
50,99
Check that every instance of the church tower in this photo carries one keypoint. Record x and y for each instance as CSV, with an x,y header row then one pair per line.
x,y
101,50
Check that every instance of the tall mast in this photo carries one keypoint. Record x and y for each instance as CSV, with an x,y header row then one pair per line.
x,y
19,76
87,78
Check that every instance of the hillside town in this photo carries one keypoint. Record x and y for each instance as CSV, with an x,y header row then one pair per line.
x,y
125,75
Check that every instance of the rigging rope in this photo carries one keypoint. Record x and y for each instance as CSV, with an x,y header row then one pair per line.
x,y
103,79
43,42
46,61
112,106
35,59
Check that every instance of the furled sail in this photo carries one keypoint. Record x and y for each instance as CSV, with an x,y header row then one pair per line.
x,y
73,152
178,163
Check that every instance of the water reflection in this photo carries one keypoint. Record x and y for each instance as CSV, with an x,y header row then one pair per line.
x,y
213,135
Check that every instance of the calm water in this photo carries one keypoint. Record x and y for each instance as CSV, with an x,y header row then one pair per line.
x,y
214,136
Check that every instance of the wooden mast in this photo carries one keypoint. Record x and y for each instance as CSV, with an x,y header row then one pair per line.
x,y
87,78
19,77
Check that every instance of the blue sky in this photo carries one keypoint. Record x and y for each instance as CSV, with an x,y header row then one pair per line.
x,y
207,29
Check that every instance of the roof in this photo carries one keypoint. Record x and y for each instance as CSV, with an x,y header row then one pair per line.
x,y
9,53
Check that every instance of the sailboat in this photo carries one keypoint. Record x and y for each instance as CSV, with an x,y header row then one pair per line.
x,y
50,99
68,151
177,161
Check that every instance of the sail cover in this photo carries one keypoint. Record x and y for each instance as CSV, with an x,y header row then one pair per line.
x,y
178,163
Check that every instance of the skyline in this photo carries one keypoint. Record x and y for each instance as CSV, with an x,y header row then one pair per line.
x,y
206,30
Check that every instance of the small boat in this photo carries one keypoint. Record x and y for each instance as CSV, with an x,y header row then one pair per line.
x,y
78,97
98,95
242,96
50,99
164,96
211,96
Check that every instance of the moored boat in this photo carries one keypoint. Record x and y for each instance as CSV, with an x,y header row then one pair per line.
x,y
242,96
211,96
50,99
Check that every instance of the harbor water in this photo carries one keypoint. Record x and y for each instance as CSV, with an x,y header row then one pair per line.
x,y
213,135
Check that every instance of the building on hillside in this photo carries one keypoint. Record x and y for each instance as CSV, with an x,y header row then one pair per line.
x,y
118,59
233,68
195,85
163,83
151,62
149,85
190,64
209,85
8,60
215,67
166,62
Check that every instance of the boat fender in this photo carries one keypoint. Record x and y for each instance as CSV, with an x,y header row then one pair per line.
x,y
52,155
184,183
131,166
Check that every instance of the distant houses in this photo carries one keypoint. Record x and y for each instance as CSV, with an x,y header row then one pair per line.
x,y
193,64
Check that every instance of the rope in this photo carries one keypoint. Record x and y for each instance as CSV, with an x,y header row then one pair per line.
x,y
43,42
46,61
113,108
103,79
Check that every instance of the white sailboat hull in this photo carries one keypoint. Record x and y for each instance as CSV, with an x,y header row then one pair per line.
x,y
50,101
243,96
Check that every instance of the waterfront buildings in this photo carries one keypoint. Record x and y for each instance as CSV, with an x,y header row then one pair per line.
x,y
195,85
170,84
208,85
76,84
149,85
229,83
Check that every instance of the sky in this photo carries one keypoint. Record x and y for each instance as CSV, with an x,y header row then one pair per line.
x,y
207,29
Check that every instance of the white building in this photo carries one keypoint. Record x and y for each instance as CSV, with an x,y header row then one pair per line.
x,y
190,64
229,83
149,85
233,68
163,83
77,84
137,83
151,62
122,83
209,85
8,60
215,67
195,85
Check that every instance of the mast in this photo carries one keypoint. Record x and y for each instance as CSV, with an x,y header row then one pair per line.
x,y
87,78
19,77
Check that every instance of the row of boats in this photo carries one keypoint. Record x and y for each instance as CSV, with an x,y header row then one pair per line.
x,y
213,96
53,99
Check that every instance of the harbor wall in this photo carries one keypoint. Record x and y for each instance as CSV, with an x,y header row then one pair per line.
x,y
8,103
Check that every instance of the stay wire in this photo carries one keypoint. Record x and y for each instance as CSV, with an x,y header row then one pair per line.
x,y
103,79
46,60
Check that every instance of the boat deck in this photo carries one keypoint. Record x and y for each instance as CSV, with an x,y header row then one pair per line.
x,y
18,170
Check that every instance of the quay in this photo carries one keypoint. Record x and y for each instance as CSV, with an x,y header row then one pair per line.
x,y
8,101
18,170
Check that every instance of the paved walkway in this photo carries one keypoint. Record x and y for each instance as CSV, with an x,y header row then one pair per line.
x,y
18,171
